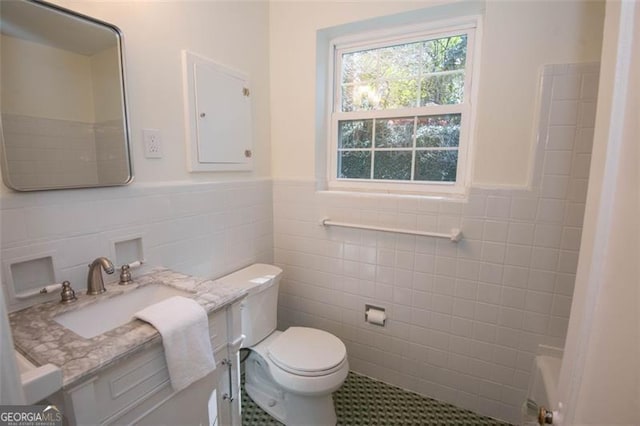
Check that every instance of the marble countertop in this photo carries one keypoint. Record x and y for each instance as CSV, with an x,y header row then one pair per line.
x,y
43,341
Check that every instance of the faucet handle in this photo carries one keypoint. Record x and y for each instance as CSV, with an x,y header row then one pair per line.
x,y
67,295
125,275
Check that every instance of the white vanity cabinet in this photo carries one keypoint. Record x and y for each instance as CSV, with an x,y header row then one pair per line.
x,y
228,382
137,390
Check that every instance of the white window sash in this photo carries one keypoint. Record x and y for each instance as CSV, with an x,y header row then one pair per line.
x,y
339,50
340,46
402,112
374,40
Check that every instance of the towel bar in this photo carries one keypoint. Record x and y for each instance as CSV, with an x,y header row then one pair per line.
x,y
454,236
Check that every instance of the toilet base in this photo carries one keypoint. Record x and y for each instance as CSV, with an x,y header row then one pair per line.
x,y
286,407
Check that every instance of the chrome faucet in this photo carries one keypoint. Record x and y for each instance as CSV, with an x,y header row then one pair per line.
x,y
95,284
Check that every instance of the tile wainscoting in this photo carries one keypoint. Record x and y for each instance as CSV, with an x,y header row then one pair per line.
x,y
203,229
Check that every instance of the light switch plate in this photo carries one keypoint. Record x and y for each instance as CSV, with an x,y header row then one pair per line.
x,y
152,143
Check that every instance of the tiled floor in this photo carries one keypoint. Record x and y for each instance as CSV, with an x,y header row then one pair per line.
x,y
364,401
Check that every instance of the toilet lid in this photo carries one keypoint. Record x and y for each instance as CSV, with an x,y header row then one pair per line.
x,y
305,351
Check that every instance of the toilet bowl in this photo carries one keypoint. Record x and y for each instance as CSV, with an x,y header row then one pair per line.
x,y
294,388
292,374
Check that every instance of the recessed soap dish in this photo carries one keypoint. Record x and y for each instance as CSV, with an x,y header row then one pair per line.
x,y
29,276
128,251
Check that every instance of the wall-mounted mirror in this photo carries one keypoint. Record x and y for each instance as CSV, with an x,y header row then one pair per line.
x,y
62,99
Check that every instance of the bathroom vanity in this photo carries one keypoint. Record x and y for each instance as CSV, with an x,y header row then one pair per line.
x,y
120,375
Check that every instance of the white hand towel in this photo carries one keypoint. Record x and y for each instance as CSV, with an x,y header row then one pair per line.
x,y
184,327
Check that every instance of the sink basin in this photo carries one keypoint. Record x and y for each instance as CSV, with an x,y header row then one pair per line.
x,y
38,382
100,317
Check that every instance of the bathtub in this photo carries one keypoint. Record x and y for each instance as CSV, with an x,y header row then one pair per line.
x,y
543,385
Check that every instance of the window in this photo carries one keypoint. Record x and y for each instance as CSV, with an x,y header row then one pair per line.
x,y
402,111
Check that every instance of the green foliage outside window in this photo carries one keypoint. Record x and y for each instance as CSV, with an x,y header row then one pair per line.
x,y
405,76
410,75
436,141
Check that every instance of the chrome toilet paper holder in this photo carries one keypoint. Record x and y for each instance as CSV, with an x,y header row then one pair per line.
x,y
378,314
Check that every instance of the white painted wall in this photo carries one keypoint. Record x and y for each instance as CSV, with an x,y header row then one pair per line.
x,y
42,81
601,366
32,83
105,69
519,37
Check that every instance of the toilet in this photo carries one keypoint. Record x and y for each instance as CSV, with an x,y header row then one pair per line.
x,y
290,374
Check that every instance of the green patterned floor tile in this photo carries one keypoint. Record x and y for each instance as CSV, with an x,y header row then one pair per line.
x,y
368,402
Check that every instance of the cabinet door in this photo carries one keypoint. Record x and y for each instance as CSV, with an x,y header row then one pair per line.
x,y
217,115
191,406
223,116
225,401
229,398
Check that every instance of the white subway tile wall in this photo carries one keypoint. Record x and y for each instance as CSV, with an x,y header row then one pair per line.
x,y
204,229
111,155
49,152
464,319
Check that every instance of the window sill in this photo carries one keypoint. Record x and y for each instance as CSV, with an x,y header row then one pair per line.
x,y
399,189
395,194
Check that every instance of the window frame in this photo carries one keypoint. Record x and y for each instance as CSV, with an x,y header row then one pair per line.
x,y
471,27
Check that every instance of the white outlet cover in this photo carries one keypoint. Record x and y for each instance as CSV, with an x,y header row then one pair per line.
x,y
152,143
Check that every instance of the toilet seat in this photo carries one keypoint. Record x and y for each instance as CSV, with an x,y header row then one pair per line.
x,y
322,383
307,352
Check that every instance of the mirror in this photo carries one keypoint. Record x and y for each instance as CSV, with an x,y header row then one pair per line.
x,y
62,99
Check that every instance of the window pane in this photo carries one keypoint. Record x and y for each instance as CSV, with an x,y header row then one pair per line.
x,y
438,131
383,94
363,97
355,134
394,165
354,164
428,72
444,89
359,66
401,61
445,54
398,94
402,76
394,133
347,99
439,166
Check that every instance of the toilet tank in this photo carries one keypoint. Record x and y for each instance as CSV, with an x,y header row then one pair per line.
x,y
260,308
